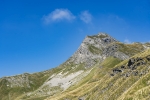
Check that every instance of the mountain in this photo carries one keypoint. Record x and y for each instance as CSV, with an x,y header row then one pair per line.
x,y
102,68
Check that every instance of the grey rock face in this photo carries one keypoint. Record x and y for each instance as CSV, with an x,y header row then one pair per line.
x,y
112,50
96,47
17,81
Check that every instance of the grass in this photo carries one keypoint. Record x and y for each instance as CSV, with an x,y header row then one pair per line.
x,y
96,36
139,90
35,80
89,82
72,68
110,62
130,49
67,68
94,49
99,85
38,98
147,44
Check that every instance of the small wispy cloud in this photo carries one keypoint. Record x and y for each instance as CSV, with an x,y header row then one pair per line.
x,y
86,17
58,15
127,41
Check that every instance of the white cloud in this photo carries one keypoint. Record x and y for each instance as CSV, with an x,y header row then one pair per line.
x,y
127,41
58,15
86,17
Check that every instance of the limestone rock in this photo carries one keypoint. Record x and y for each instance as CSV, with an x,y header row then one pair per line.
x,y
17,81
96,48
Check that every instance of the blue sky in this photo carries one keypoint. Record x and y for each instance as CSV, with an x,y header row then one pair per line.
x,y
37,35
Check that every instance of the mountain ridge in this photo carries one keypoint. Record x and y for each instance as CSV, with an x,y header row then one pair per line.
x,y
94,52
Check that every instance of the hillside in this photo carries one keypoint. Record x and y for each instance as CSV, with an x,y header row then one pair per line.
x,y
113,80
102,68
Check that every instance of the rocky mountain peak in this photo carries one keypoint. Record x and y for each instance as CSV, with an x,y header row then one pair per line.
x,y
104,34
106,58
93,48
100,38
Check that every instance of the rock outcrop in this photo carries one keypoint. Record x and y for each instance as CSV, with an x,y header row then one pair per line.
x,y
17,81
132,67
97,47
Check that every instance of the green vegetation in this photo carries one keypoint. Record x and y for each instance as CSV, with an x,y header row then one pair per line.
x,y
37,98
99,83
130,49
94,50
71,68
89,82
110,62
96,36
36,79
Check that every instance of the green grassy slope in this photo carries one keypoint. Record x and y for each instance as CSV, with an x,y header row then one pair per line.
x,y
10,93
130,49
103,83
35,80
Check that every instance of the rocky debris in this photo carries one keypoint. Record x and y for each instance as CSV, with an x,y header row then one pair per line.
x,y
138,59
116,70
135,62
131,62
123,67
60,82
131,67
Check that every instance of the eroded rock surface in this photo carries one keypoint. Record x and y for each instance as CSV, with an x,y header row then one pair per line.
x,y
97,47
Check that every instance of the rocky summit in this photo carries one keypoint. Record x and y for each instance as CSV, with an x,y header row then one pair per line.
x,y
97,48
102,68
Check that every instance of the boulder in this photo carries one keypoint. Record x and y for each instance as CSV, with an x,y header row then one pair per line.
x,y
122,67
139,59
116,70
131,62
